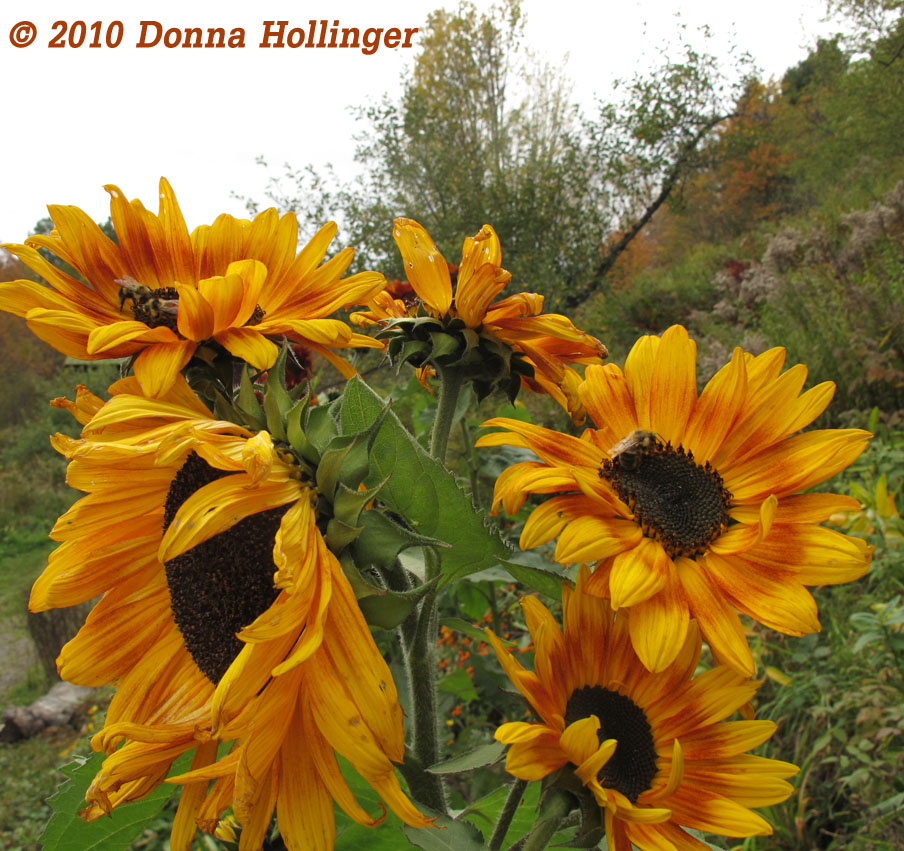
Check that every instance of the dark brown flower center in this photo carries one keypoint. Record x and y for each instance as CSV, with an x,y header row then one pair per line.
x,y
684,505
224,583
631,769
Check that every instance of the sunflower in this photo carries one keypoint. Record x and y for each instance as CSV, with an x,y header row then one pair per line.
x,y
687,505
159,292
654,750
224,617
546,343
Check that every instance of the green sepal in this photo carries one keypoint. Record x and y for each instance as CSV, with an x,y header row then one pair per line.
x,y
411,326
331,463
416,349
381,607
222,410
339,535
382,539
387,609
274,414
348,504
246,404
298,440
444,345
277,401
320,428
347,458
471,338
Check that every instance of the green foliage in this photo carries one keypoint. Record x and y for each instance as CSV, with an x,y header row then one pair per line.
x,y
437,507
67,832
31,772
838,696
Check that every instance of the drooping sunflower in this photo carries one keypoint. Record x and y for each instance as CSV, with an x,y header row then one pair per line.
x,y
546,342
655,750
224,617
160,292
689,505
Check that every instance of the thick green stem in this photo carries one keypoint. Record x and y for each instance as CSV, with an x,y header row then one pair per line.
x,y
508,813
420,652
450,383
420,659
472,463
556,806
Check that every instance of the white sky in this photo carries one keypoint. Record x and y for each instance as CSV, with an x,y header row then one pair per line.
x,y
76,119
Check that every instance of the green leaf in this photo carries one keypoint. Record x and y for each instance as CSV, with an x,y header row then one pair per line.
x,y
544,581
484,813
468,629
351,836
67,832
422,490
448,835
873,422
468,761
459,684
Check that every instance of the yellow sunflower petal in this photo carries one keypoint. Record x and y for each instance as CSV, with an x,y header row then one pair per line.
x,y
639,369
659,626
638,574
673,388
607,397
425,267
717,409
719,622
196,319
159,365
249,345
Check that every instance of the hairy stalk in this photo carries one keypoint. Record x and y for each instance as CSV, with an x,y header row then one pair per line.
x,y
450,383
420,652
420,659
555,807
507,814
472,462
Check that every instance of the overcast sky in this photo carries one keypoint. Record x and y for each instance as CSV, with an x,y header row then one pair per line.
x,y
78,118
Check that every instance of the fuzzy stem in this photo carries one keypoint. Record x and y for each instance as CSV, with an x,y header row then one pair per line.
x,y
420,660
556,806
420,654
450,384
507,814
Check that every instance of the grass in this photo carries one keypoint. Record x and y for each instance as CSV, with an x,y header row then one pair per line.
x,y
31,769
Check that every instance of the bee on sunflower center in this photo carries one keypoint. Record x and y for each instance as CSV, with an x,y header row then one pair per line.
x,y
154,307
629,452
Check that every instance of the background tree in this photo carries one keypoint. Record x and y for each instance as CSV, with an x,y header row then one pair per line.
x,y
485,133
